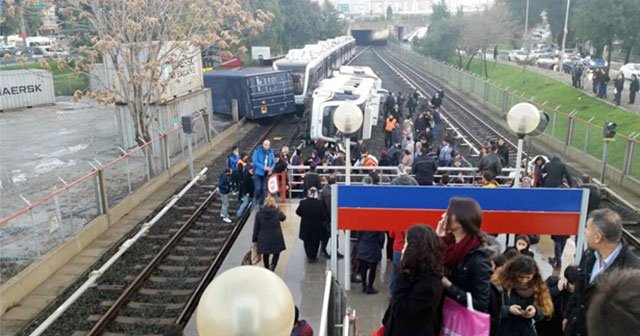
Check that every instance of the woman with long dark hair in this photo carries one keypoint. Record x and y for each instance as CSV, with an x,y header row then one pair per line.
x,y
526,298
467,263
418,290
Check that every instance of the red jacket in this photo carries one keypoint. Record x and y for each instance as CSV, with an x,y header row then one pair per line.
x,y
398,240
302,329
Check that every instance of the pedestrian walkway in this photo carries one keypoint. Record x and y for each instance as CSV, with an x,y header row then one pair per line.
x,y
587,85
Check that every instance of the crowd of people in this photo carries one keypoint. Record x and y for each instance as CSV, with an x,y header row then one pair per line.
x,y
600,79
457,258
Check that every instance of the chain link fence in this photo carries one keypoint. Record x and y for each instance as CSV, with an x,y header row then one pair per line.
x,y
49,222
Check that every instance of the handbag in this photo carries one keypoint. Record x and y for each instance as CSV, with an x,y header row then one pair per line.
x,y
379,332
460,320
252,257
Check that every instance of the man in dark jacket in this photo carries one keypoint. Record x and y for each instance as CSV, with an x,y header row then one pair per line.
x,y
424,168
313,216
325,196
555,171
607,252
634,87
491,162
311,179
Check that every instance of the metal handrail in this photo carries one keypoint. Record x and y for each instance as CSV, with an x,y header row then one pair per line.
x,y
324,317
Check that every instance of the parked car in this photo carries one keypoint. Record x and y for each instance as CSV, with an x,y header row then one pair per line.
x,y
630,69
595,62
568,63
546,62
521,56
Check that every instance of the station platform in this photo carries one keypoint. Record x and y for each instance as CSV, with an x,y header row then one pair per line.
x,y
306,281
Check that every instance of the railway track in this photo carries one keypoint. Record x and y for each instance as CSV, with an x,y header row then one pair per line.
x,y
477,131
159,280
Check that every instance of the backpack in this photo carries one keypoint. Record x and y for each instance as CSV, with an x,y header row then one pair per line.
x,y
495,308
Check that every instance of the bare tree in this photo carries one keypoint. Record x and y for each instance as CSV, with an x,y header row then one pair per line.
x,y
490,26
148,44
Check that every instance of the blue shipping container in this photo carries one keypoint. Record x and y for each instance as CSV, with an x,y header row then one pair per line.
x,y
261,92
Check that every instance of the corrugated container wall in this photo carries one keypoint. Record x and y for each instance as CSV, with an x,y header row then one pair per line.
x,y
182,72
98,79
165,116
25,88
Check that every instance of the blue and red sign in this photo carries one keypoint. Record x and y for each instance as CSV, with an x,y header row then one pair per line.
x,y
504,210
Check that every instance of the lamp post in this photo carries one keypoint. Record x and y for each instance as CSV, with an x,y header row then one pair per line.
x,y
348,119
525,119
564,35
608,135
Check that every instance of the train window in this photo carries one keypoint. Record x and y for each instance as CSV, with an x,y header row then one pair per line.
x,y
328,128
298,82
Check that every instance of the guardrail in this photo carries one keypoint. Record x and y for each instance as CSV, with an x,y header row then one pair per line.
x,y
459,176
47,223
565,127
334,309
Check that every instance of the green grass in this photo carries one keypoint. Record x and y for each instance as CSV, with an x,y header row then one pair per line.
x,y
531,84
65,81
587,138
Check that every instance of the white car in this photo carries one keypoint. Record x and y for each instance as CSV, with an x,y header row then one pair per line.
x,y
521,56
630,69
546,62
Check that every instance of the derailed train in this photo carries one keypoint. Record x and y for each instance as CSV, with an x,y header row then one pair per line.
x,y
357,85
314,63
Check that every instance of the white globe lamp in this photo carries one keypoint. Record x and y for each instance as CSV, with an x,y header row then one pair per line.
x,y
246,300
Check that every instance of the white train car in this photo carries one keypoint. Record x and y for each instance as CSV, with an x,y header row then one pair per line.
x,y
314,63
348,85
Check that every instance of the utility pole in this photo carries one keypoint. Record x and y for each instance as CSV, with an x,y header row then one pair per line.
x,y
564,35
526,21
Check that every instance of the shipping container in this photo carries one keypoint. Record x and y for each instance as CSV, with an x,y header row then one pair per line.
x,y
25,88
181,72
166,116
98,80
261,92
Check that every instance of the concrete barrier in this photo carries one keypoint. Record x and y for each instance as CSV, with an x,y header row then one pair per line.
x,y
18,287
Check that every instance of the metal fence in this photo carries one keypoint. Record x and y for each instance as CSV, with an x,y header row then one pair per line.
x,y
47,223
68,84
572,131
458,176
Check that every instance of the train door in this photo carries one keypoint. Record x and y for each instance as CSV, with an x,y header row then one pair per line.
x,y
373,105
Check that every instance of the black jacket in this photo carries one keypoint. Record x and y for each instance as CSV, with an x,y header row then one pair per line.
x,y
370,245
311,179
490,162
553,325
424,168
556,170
472,274
413,307
267,231
325,196
503,151
312,213
634,86
576,311
512,325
